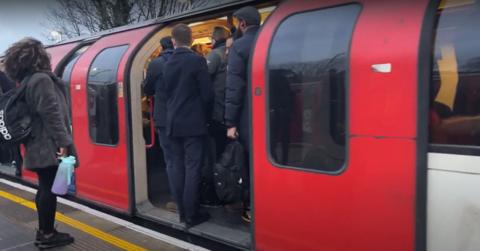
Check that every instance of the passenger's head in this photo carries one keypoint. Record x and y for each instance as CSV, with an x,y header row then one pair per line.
x,y
219,34
247,16
236,33
25,57
166,43
181,36
228,45
197,48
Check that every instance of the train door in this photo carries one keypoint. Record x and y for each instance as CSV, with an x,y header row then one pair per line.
x,y
453,211
64,71
99,119
152,193
334,111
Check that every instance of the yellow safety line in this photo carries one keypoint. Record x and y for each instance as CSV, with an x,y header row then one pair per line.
x,y
115,241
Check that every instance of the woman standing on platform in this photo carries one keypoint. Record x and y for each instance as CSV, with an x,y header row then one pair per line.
x,y
27,62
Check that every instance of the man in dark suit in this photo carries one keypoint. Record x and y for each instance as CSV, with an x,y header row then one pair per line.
x,y
189,94
236,96
154,86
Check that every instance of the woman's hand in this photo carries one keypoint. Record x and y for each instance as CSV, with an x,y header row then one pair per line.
x,y
62,152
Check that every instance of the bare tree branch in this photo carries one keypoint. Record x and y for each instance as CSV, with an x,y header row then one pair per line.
x,y
79,17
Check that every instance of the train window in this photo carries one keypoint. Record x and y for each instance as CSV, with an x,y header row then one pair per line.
x,y
102,96
307,79
67,70
455,89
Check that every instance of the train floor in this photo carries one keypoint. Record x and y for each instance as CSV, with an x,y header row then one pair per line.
x,y
18,223
224,225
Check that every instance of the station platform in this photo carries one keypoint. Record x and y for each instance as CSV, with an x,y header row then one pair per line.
x,y
92,231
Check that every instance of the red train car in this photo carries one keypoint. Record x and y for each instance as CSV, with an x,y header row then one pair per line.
x,y
364,125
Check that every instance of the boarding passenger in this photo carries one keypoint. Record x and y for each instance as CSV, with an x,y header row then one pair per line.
x,y
28,63
236,98
189,92
228,45
215,145
217,67
155,86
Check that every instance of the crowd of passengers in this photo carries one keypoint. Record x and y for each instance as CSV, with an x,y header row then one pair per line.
x,y
196,98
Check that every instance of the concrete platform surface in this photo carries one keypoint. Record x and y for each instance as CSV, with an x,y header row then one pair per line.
x,y
18,223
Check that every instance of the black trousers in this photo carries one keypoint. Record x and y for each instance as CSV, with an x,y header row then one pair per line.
x,y
164,141
45,200
219,134
186,174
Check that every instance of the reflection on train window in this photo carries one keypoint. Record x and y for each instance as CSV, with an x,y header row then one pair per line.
x,y
306,88
102,96
67,71
455,89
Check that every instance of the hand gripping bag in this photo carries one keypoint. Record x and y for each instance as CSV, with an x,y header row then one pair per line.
x,y
63,178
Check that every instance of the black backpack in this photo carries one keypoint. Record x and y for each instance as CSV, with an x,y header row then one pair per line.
x,y
15,119
228,173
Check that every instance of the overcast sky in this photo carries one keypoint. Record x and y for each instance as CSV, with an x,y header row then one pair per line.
x,y
23,18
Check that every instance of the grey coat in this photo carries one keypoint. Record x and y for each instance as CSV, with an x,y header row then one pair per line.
x,y
217,68
51,127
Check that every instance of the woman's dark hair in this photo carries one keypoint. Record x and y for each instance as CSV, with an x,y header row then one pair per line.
x,y
26,57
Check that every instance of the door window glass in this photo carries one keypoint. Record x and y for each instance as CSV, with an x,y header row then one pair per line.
x,y
307,77
102,96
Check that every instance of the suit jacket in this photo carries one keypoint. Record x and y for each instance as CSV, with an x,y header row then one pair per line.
x,y
217,64
154,85
189,94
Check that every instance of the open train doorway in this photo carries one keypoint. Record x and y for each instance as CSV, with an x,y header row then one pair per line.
x,y
152,193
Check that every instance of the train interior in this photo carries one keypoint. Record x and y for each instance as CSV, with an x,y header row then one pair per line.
x,y
153,198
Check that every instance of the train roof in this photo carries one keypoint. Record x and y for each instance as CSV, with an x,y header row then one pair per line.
x,y
217,5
